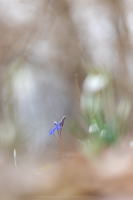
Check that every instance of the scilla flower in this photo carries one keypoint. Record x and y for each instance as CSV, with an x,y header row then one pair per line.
x,y
57,126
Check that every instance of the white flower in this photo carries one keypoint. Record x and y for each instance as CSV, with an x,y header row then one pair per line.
x,y
93,128
94,83
103,133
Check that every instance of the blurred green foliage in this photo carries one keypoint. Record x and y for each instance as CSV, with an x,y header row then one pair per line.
x,y
104,118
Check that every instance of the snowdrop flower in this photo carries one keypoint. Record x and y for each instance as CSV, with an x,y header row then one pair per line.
x,y
93,128
103,133
93,83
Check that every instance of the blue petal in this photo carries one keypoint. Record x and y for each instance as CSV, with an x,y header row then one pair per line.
x,y
55,123
59,127
54,129
51,132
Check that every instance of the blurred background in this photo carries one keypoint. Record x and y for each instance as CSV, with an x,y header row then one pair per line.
x,y
42,45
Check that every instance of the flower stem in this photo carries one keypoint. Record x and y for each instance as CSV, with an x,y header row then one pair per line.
x,y
57,140
61,143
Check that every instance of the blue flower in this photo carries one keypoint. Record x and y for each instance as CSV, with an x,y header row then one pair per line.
x,y
62,121
51,132
57,126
